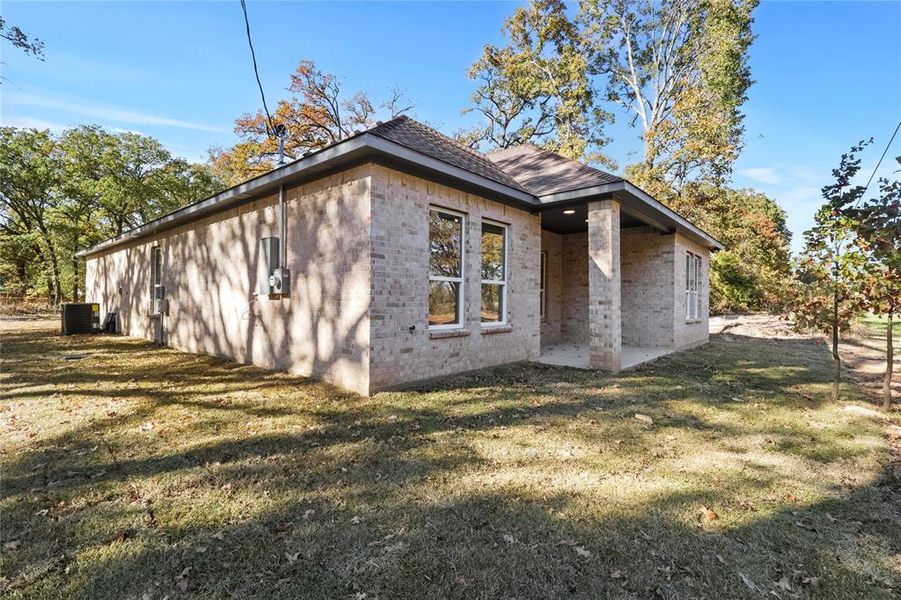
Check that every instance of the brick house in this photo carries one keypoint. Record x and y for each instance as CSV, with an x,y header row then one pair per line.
x,y
397,255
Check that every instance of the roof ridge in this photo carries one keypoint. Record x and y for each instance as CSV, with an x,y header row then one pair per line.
x,y
420,137
447,138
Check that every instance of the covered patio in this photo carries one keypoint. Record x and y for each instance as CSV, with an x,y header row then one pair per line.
x,y
608,287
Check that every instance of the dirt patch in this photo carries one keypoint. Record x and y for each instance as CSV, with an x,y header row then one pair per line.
x,y
862,349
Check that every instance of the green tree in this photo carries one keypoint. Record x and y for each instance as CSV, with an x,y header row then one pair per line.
x,y
31,164
680,69
536,89
317,113
878,236
831,268
61,194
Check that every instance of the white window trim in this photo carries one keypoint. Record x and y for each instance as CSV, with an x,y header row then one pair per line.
x,y
542,285
693,267
698,268
501,282
154,305
461,280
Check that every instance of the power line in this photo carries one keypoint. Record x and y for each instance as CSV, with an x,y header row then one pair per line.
x,y
270,127
884,152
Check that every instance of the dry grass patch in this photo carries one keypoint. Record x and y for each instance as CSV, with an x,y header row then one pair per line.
x,y
134,471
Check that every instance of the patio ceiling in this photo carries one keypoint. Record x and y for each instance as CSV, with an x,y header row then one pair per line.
x,y
560,221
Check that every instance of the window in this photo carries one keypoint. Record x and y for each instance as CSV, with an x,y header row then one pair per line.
x,y
494,273
542,284
157,291
692,286
445,269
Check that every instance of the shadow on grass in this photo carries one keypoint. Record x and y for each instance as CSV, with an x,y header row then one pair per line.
x,y
303,490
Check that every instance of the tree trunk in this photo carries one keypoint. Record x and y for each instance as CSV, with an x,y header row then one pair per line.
x,y
22,276
835,357
74,278
57,286
889,365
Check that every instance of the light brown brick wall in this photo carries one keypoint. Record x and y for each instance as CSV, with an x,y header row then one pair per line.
x,y
321,329
400,209
574,288
552,246
647,287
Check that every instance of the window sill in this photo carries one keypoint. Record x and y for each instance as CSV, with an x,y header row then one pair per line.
x,y
693,321
440,334
492,329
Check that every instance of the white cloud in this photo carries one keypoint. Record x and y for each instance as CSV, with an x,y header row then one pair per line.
x,y
107,112
30,123
762,174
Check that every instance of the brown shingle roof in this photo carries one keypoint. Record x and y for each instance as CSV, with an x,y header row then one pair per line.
x,y
416,136
543,172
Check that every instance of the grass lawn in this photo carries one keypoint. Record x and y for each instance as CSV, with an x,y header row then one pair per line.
x,y
131,471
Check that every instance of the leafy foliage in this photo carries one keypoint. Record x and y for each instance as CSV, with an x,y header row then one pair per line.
x,y
536,88
831,268
21,40
679,68
60,194
878,234
317,113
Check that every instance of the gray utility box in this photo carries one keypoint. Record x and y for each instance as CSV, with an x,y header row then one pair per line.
x,y
272,278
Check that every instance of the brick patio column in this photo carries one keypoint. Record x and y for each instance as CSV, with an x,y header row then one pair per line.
x,y
604,293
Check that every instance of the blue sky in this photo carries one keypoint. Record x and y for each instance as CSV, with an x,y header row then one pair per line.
x,y
828,74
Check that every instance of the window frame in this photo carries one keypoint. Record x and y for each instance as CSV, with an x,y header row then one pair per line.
x,y
157,270
461,280
502,283
693,267
542,286
698,268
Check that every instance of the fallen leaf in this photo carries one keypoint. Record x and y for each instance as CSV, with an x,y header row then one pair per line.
x,y
582,551
122,535
218,535
200,549
810,581
308,513
804,525
747,582
356,520
292,558
283,530
616,574
644,419
184,579
721,559
12,545
509,538
784,584
707,514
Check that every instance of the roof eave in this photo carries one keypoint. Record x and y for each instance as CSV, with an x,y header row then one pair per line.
x,y
639,203
351,149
